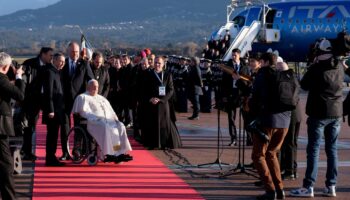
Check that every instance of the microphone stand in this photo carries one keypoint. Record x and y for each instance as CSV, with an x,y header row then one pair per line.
x,y
241,167
217,161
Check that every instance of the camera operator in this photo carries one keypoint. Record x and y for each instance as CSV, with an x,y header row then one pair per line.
x,y
324,81
8,91
273,123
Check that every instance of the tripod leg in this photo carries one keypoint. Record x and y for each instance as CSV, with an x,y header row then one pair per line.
x,y
217,161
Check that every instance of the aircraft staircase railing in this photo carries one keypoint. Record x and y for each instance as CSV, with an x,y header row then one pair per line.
x,y
244,39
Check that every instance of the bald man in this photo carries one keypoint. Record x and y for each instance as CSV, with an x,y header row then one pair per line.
x,y
75,74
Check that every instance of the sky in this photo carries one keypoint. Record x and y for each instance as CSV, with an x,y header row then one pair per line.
x,y
10,6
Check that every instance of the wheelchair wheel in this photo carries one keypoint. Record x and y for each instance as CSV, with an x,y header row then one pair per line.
x,y
92,159
77,145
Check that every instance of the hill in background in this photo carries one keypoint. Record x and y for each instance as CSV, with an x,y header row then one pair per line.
x,y
114,24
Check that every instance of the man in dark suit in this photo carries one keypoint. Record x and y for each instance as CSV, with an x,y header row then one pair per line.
x,y
34,68
194,87
231,97
100,73
74,76
8,91
53,110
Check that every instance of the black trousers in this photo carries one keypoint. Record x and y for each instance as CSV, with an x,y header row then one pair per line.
x,y
205,100
32,116
7,184
53,126
64,131
181,100
288,154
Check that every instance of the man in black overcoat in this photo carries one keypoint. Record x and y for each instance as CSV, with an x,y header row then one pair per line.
x,y
101,73
74,76
230,93
194,87
53,109
34,68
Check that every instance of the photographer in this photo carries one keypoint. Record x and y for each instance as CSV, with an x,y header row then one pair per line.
x,y
8,91
273,123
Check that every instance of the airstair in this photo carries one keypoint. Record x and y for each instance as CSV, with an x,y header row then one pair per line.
x,y
244,39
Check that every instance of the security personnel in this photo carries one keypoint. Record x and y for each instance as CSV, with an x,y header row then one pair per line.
x,y
216,83
180,76
230,92
207,78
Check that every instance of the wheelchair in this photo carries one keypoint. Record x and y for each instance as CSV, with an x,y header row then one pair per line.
x,y
81,145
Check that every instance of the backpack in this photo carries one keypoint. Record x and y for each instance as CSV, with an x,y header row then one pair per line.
x,y
288,88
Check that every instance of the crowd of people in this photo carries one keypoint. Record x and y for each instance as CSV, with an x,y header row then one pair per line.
x,y
217,48
144,93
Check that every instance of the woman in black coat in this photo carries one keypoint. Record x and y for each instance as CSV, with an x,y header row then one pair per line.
x,y
160,130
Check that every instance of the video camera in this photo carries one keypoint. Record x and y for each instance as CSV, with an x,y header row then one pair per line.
x,y
254,127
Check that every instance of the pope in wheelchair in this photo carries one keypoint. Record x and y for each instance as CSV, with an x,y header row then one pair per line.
x,y
103,125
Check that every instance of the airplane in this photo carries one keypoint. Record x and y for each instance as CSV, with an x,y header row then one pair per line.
x,y
286,27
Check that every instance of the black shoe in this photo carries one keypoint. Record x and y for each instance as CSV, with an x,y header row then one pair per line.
x,y
271,195
280,194
29,156
232,143
258,183
65,157
123,158
109,158
193,118
288,176
54,163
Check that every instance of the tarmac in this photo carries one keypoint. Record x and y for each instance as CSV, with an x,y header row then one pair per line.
x,y
197,162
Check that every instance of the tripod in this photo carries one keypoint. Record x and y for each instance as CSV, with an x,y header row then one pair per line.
x,y
217,161
241,167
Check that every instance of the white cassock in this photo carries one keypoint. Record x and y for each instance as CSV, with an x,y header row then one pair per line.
x,y
103,124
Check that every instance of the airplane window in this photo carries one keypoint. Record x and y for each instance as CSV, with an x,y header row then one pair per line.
x,y
328,20
312,20
239,20
282,21
297,21
290,21
305,21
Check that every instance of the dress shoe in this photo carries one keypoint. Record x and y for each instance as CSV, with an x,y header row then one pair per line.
x,y
54,163
29,156
232,143
258,183
109,158
280,194
123,158
65,157
288,176
193,118
269,195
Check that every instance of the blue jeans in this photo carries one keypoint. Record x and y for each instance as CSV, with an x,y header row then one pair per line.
x,y
330,129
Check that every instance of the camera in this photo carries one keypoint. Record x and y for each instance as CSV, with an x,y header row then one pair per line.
x,y
254,128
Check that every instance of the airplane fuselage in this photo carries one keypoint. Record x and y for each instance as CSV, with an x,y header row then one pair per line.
x,y
300,24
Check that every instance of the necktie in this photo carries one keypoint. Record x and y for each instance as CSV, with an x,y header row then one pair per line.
x,y
72,68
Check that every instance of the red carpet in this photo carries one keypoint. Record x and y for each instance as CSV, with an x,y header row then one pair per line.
x,y
143,178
